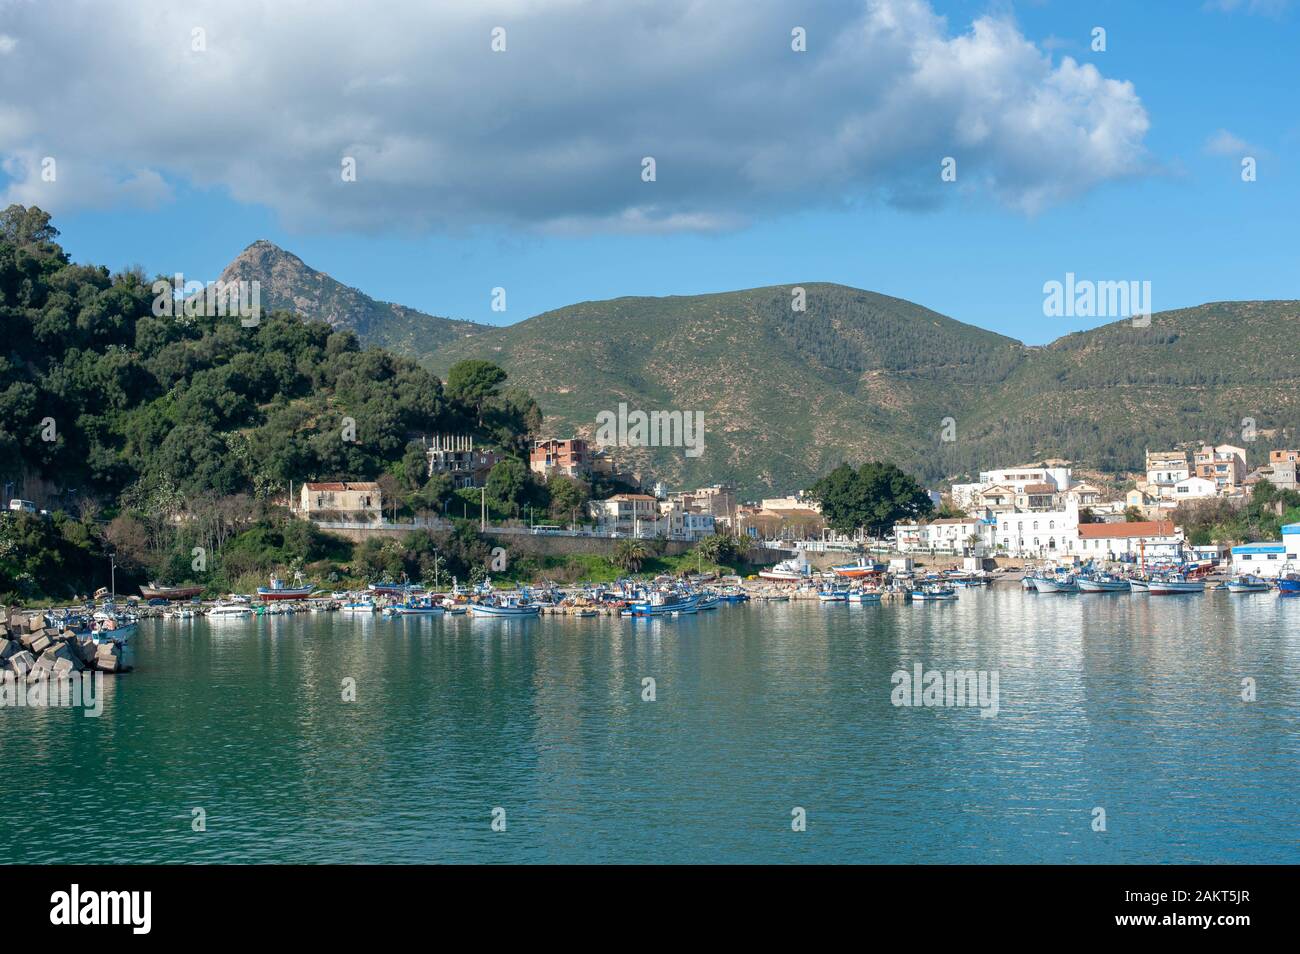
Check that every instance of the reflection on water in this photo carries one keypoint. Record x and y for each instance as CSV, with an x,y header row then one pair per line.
x,y
1123,702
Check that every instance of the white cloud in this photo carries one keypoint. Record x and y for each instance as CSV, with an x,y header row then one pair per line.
x,y
7,44
1224,143
551,133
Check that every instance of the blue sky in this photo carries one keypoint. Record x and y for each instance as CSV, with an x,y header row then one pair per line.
x,y
1214,84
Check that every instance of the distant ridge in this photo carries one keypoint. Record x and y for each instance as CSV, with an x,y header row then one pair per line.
x,y
290,284
786,395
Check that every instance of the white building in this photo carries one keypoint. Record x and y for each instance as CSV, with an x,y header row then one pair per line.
x,y
952,535
1270,559
1194,488
1164,470
1016,479
1148,540
1039,534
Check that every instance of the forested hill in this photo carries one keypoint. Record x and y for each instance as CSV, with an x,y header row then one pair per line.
x,y
99,395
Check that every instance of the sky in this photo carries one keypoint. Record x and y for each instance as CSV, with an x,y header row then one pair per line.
x,y
179,133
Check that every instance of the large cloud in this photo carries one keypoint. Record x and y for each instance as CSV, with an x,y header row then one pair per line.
x,y
549,134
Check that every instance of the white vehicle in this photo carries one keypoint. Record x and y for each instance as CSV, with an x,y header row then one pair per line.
x,y
22,506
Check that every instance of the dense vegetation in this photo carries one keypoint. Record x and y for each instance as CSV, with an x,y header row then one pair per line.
x,y
166,434
874,497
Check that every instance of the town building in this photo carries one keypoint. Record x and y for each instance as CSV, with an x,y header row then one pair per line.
x,y
456,456
1284,457
346,500
1147,540
1164,470
945,535
1281,475
630,514
1270,560
718,500
1053,533
1014,478
1195,488
569,458
1224,464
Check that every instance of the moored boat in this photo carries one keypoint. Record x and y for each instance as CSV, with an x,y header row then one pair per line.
x,y
229,611
1246,583
1102,583
1288,584
787,571
1056,583
278,591
1174,584
505,607
933,592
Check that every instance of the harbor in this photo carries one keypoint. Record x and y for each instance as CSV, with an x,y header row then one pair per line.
x,y
1126,703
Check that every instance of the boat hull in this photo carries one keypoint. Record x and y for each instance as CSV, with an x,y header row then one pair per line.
x,y
1247,587
1175,587
1103,586
504,612
268,595
1052,586
170,592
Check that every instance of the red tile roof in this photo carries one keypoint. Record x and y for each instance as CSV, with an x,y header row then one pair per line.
x,y
1137,528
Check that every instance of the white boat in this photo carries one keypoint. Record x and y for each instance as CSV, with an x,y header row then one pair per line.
x,y
419,607
505,607
864,596
933,592
1247,584
1174,585
1057,583
1102,584
1137,585
363,605
833,596
229,611
1027,582
787,571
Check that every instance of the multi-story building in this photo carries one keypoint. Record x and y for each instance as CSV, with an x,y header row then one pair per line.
x,y
632,514
347,499
1014,478
1284,457
1281,475
1224,464
570,458
1164,470
456,456
948,534
718,500
1042,534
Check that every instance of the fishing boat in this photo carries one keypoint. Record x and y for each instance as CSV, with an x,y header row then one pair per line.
x,y
278,591
1102,583
1174,584
733,594
388,589
421,606
864,596
1246,583
358,604
109,624
708,601
1288,584
1138,584
661,602
505,607
1056,583
229,611
932,592
787,571
833,596
156,591
1027,583
860,568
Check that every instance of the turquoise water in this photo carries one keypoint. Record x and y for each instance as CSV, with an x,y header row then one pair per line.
x,y
1128,703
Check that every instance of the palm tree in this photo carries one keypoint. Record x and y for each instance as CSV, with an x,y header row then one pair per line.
x,y
630,554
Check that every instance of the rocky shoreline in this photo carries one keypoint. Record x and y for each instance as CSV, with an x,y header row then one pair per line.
x,y
31,651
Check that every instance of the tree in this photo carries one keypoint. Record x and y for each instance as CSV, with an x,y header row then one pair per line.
x,y
23,227
875,497
629,555
567,495
506,484
474,382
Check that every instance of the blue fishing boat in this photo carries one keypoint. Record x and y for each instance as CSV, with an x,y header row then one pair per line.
x,y
1288,584
661,602
510,606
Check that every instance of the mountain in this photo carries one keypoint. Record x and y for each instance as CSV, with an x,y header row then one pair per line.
x,y
290,284
786,395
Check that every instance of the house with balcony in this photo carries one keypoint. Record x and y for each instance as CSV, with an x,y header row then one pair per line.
x,y
626,514
569,458
456,456
1224,464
